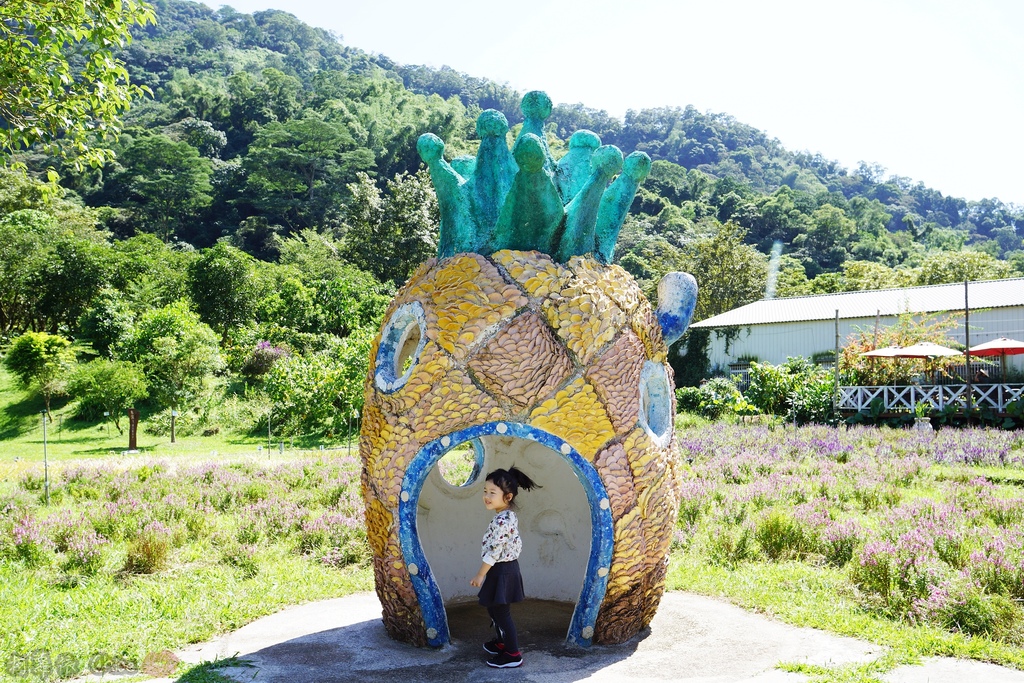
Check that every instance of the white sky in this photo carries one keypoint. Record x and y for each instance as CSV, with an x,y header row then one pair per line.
x,y
931,89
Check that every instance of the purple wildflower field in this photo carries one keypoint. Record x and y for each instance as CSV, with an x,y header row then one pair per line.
x,y
925,525
135,521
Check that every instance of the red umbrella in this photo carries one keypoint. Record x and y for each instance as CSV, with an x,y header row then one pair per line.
x,y
1001,347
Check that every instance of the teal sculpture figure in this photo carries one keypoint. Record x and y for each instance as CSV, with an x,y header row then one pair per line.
x,y
522,200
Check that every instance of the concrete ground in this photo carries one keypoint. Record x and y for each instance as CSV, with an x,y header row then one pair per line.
x,y
692,639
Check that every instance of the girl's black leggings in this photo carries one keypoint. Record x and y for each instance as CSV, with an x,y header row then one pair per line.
x,y
501,615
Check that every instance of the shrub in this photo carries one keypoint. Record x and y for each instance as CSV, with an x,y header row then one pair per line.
x,y
262,359
898,578
838,541
782,537
770,387
812,398
85,552
688,399
150,550
340,537
972,612
30,543
728,546
241,556
718,395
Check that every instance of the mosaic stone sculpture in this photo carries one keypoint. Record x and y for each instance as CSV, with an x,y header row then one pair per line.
x,y
520,328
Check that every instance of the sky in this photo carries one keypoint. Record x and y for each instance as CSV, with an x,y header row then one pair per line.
x,y
932,90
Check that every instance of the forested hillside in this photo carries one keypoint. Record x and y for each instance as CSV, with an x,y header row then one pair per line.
x,y
267,198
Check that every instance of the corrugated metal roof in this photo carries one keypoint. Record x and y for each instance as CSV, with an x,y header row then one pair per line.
x,y
929,299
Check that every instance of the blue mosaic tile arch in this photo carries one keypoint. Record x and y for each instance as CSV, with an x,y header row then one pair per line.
x,y
595,581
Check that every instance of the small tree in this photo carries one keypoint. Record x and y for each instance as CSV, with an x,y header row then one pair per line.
x,y
42,362
225,287
176,349
909,329
108,385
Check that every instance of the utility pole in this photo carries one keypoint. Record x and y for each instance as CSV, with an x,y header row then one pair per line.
x,y
967,349
46,465
835,392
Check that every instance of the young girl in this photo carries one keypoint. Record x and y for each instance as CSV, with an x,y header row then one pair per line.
x,y
499,579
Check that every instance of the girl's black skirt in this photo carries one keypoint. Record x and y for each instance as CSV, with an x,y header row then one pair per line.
x,y
502,585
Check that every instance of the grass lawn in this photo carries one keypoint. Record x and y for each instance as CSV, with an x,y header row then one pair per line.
x,y
912,541
72,439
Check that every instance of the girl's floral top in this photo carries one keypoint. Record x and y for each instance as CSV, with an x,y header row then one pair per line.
x,y
502,542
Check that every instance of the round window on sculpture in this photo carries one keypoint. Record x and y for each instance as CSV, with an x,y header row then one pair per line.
x,y
656,402
401,343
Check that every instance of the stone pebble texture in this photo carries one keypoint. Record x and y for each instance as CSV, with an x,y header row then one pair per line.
x,y
516,336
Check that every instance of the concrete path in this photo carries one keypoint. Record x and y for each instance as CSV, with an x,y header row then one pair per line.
x,y
692,639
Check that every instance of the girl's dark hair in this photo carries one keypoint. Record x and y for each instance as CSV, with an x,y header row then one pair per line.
x,y
510,481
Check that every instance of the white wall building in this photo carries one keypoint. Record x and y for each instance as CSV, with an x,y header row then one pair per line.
x,y
771,330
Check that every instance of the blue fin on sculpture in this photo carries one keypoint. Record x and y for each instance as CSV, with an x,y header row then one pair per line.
x,y
532,212
494,171
573,169
536,107
457,231
616,202
464,165
677,298
581,212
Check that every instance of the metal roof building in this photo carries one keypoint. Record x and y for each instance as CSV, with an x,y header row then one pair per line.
x,y
771,330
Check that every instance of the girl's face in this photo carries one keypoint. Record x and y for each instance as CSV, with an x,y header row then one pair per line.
x,y
494,498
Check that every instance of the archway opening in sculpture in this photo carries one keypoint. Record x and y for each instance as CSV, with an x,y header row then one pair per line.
x,y
565,525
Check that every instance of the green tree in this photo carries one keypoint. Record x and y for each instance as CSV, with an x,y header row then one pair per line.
x,y
224,285
62,81
319,393
825,242
148,272
41,362
110,386
165,183
48,273
176,350
297,169
959,266
390,234
106,322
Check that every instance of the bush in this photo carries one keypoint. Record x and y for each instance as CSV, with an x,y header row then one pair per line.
x,y
838,541
718,395
242,557
29,542
319,393
150,550
798,389
85,552
972,612
769,388
728,546
781,537
262,359
688,399
812,398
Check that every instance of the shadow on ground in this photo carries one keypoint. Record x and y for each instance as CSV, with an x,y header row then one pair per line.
x,y
362,652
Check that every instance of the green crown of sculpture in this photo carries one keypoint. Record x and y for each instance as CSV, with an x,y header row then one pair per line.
x,y
521,199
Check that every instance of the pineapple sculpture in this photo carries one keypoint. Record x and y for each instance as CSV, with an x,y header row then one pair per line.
x,y
520,332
